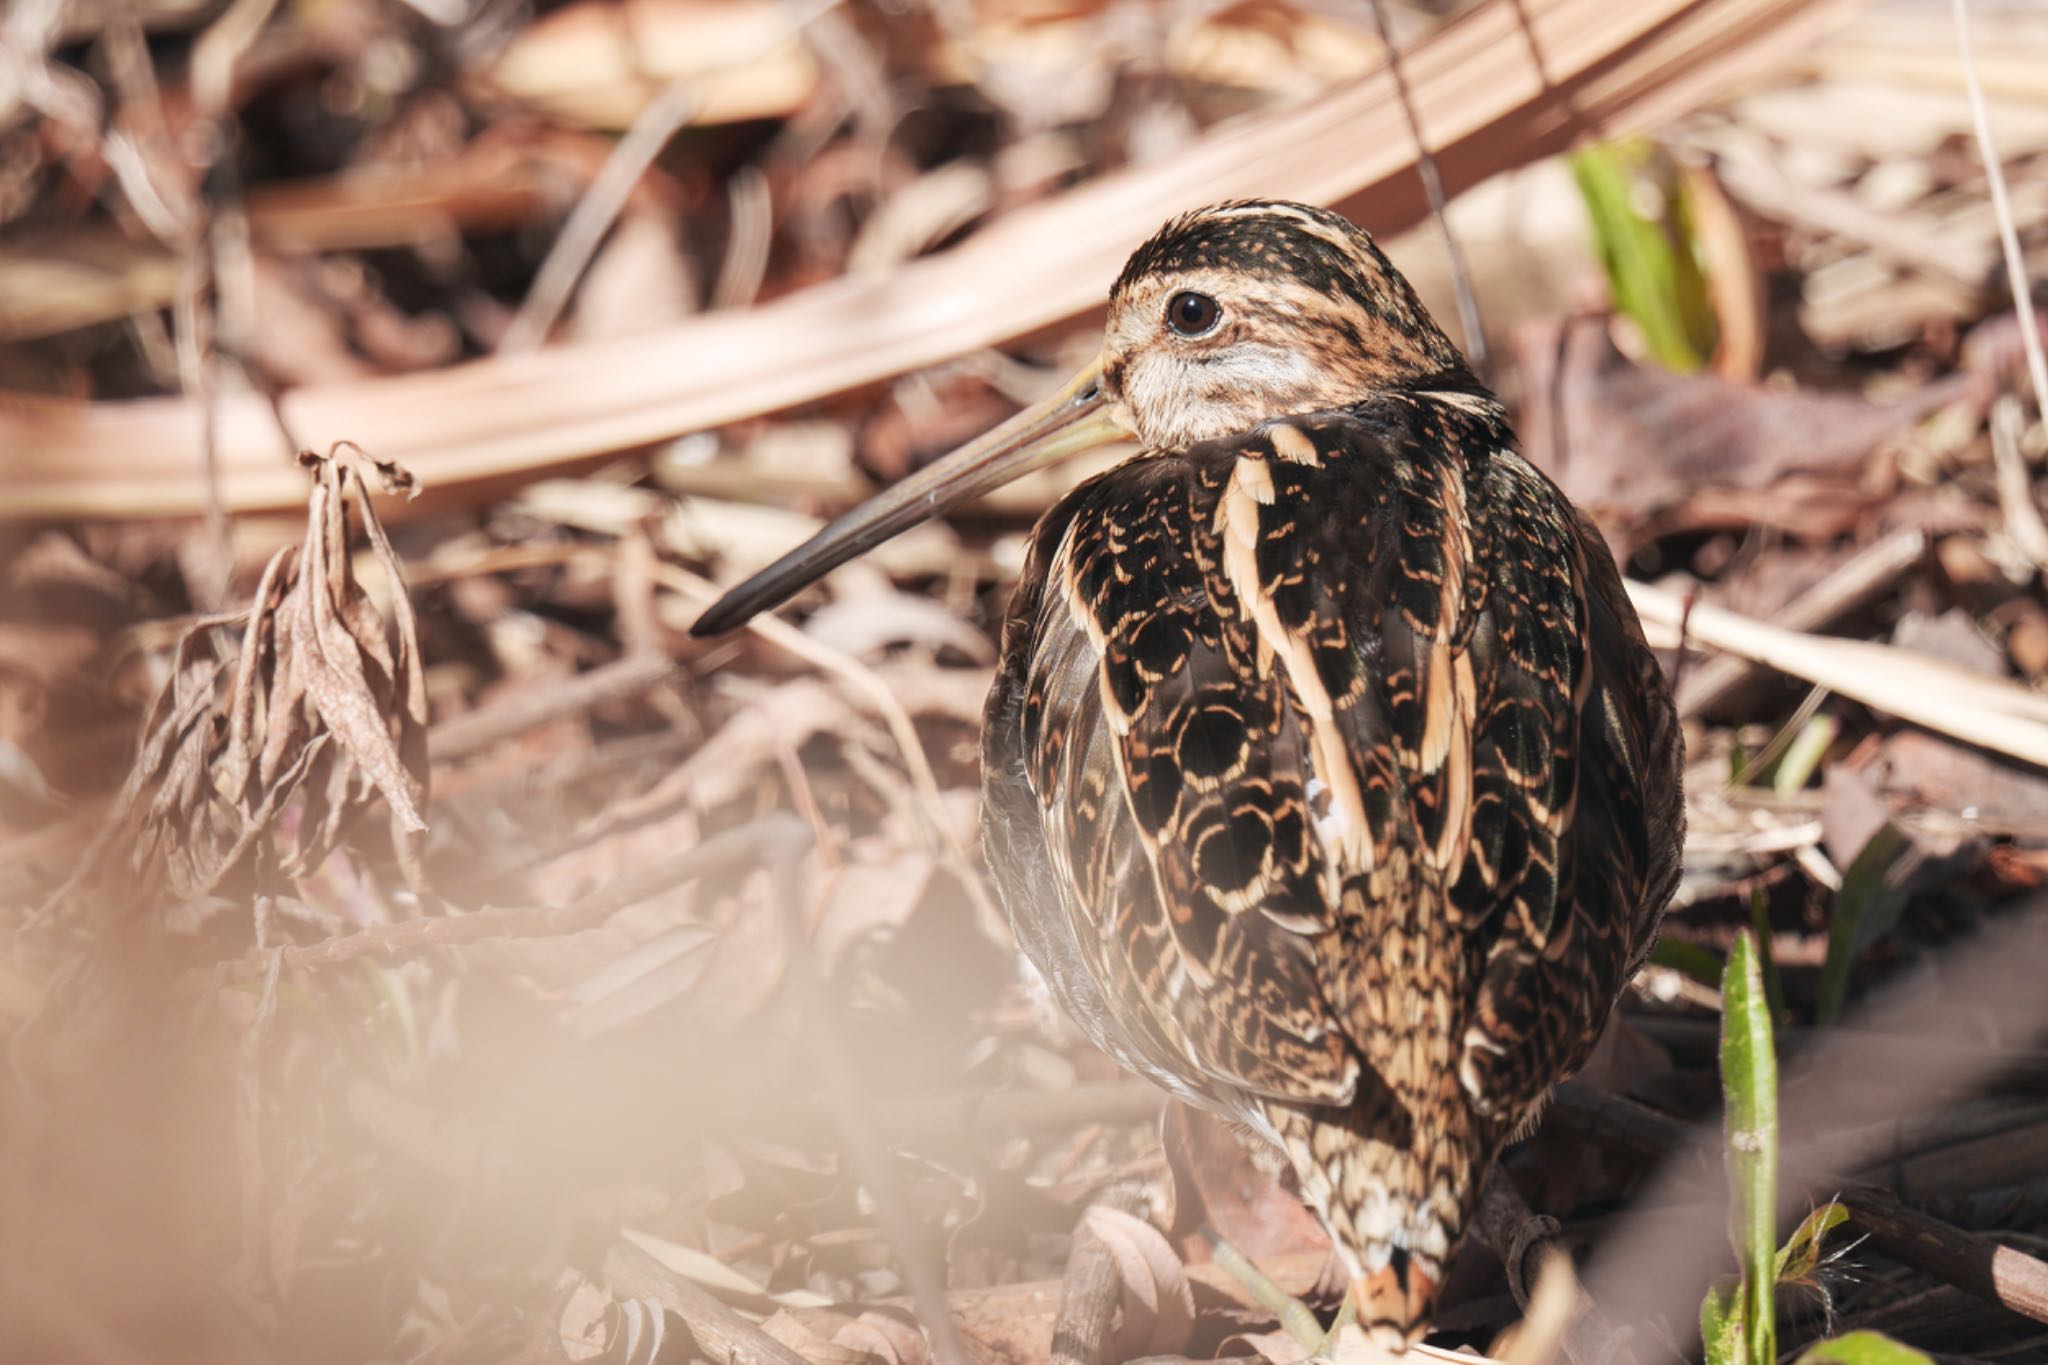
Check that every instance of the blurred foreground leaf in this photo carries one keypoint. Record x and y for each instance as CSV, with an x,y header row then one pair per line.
x,y
1749,1087
1863,1348
1738,1318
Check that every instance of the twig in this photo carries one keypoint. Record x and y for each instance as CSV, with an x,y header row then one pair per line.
x,y
2015,485
848,670
721,1334
1850,585
2001,207
194,351
470,733
1939,1313
1529,1252
1644,1272
1517,1234
1988,712
1996,1274
1433,189
1092,1288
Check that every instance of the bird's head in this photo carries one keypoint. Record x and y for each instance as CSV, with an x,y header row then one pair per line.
x,y
1243,312
1229,316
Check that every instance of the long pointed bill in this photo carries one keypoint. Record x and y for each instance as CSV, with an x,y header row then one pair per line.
x,y
1071,421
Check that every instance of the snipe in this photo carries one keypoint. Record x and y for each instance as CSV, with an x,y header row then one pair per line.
x,y
1328,779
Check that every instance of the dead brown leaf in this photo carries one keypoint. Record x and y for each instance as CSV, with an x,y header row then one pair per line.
x,y
1635,443
1217,1181
1927,772
869,901
293,729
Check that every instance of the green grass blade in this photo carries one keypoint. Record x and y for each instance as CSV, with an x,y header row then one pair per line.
x,y
1866,908
1655,280
1683,955
1802,757
1749,1086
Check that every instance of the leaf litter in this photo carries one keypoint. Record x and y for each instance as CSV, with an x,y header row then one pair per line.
x,y
509,1052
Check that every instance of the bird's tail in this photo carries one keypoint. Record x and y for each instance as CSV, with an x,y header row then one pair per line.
x,y
1394,1209
1394,1303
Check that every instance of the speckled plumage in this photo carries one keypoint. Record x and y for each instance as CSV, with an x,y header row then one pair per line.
x,y
1328,779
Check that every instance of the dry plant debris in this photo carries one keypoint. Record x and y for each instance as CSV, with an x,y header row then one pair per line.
x,y
444,958
320,705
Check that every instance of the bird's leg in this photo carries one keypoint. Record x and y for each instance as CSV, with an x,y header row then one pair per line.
x,y
1346,1315
1294,1315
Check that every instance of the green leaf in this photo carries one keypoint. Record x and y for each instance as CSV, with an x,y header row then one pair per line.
x,y
1863,1348
1800,1256
1683,955
1804,754
1866,908
1643,232
1749,1086
1721,1322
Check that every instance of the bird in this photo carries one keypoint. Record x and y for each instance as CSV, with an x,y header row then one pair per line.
x,y
1328,779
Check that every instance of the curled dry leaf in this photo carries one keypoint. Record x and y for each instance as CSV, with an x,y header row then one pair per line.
x,y
885,1338
1158,1306
295,728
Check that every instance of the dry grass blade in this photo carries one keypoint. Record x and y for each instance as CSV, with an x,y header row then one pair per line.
x,y
1851,585
2000,716
1485,104
848,670
2015,485
322,701
2001,205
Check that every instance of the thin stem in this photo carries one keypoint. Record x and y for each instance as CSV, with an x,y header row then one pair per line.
x,y
2001,206
1433,187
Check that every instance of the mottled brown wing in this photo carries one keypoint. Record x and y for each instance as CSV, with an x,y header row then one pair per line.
x,y
1301,719
1145,811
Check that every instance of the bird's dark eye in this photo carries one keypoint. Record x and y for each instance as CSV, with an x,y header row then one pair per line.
x,y
1192,314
